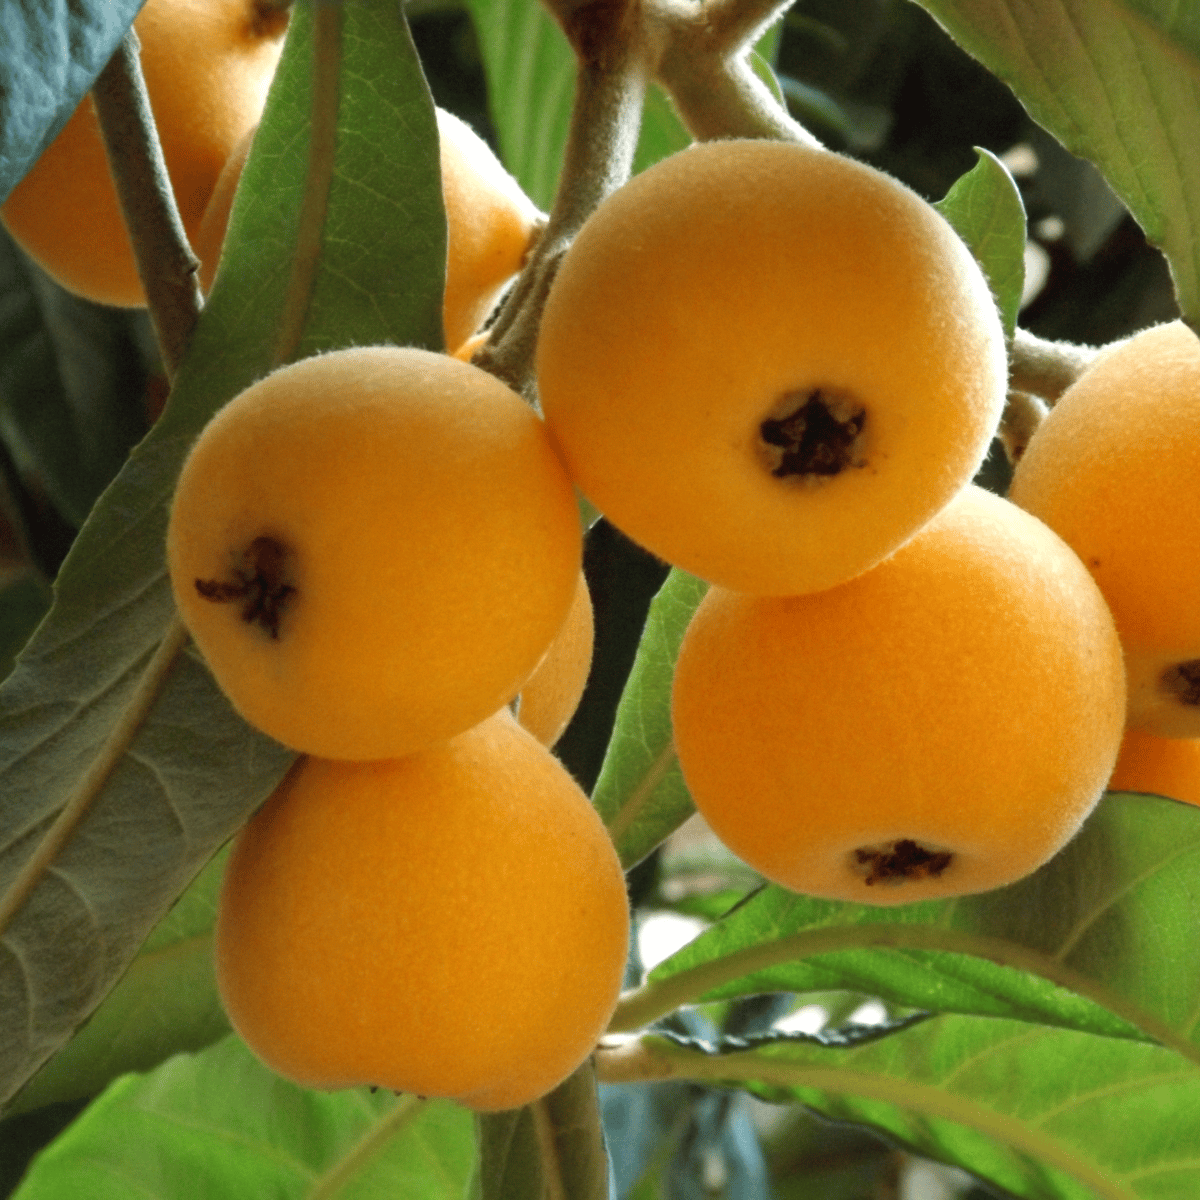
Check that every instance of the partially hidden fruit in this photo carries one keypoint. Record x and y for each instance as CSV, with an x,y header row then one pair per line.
x,y
1113,470
207,64
940,725
490,225
769,364
550,697
451,924
373,549
1159,765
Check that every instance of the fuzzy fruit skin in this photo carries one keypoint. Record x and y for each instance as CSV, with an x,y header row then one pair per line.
x,y
451,924
490,224
967,694
733,274
552,693
434,547
1113,469
1158,765
208,65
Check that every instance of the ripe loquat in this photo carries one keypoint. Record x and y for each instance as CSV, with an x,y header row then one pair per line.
x,y
939,725
373,549
453,923
1159,765
770,364
552,693
207,64
1113,469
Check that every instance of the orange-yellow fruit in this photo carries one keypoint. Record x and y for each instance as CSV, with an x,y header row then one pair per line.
x,y
373,549
552,694
937,726
490,225
207,64
452,924
1113,470
1159,765
769,364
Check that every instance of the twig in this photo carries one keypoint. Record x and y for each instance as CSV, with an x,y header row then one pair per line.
x,y
703,62
609,86
1046,368
164,259
1023,413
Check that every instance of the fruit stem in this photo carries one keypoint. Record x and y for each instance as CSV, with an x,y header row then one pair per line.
x,y
1023,413
606,116
165,261
1046,368
704,64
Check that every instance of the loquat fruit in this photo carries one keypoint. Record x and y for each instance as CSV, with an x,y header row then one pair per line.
x,y
1159,765
770,364
208,65
453,923
941,724
373,549
1113,469
552,693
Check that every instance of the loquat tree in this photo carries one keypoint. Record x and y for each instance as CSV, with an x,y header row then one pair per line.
x,y
354,842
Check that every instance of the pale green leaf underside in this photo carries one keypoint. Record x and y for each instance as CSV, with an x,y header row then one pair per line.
x,y
1046,1114
1118,83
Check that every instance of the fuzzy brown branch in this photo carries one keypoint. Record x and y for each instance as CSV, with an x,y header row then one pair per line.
x,y
1046,368
1023,413
164,258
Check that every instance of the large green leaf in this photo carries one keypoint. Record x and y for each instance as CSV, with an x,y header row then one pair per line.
x,y
1045,1114
165,1003
50,55
1094,941
640,792
337,238
1118,83
219,1124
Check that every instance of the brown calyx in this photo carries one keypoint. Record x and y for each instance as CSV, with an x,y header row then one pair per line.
x,y
260,581
1182,682
816,434
901,861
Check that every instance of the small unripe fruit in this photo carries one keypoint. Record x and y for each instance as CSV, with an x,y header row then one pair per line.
x,y
453,923
373,549
1113,470
769,364
940,725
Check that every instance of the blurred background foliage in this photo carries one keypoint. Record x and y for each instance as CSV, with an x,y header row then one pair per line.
x,y
79,385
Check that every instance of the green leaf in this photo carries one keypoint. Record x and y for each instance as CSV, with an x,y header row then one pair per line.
x,y
640,792
1045,1114
166,1003
530,71
50,55
986,209
219,1124
1118,83
1092,941
338,238
72,385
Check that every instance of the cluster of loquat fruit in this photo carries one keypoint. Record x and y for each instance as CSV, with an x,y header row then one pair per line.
x,y
775,368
